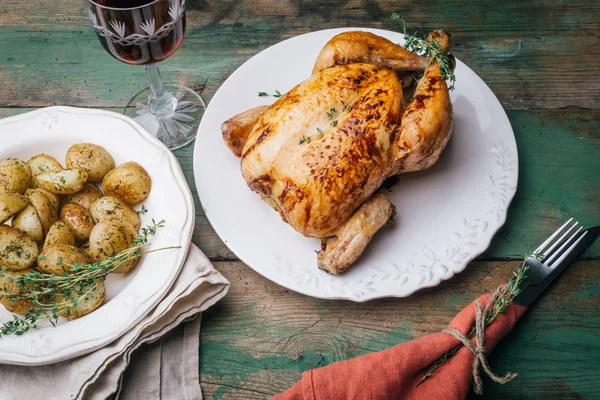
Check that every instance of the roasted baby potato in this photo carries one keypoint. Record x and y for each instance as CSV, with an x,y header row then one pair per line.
x,y
67,181
110,237
9,286
59,233
60,258
29,222
43,163
17,250
54,198
79,220
85,197
15,176
109,207
10,204
86,248
87,304
129,182
91,157
44,208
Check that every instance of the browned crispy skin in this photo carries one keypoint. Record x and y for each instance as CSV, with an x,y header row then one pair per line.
x,y
426,124
237,128
340,251
365,47
316,185
427,120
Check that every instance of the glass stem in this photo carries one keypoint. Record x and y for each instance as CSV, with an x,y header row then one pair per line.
x,y
162,103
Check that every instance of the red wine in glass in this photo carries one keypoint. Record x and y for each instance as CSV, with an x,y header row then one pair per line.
x,y
140,32
145,32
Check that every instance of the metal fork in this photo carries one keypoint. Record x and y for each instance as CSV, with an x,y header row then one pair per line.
x,y
552,257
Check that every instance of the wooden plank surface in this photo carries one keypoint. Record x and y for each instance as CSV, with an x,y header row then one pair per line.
x,y
260,337
541,60
539,54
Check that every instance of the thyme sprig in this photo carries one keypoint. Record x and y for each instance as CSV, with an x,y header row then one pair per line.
x,y
142,211
54,295
305,139
506,295
265,94
432,49
333,111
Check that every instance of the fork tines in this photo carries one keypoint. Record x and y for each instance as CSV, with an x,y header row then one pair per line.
x,y
548,250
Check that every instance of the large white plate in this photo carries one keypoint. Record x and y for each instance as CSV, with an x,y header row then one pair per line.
x,y
129,297
447,215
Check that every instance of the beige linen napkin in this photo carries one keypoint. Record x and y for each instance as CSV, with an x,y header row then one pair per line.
x,y
167,369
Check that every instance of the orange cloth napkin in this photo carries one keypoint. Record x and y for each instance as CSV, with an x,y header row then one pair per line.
x,y
394,373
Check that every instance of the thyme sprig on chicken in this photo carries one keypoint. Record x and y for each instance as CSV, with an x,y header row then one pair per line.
x,y
55,295
428,48
346,106
265,94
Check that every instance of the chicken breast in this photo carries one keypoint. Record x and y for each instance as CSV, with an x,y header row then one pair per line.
x,y
323,148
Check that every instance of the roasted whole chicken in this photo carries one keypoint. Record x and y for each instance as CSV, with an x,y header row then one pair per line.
x,y
321,151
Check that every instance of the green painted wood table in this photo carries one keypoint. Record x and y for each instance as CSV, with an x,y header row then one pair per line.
x,y
541,58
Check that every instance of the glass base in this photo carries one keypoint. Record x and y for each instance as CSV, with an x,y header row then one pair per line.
x,y
175,129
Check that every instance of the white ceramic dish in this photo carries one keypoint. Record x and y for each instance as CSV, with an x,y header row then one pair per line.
x,y
447,215
129,297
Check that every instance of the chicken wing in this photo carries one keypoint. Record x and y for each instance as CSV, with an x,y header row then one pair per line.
x,y
237,128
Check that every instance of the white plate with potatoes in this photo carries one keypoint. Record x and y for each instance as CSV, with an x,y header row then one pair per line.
x,y
76,188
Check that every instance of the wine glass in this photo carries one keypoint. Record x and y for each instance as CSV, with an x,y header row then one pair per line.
x,y
145,32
